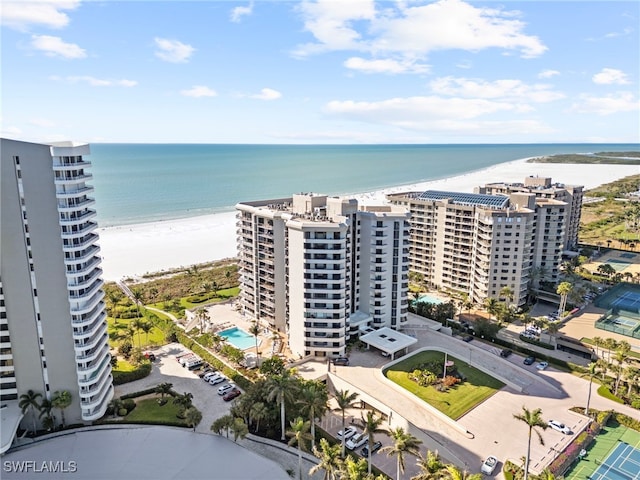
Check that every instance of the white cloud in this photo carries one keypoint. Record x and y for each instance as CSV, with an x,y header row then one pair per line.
x,y
20,15
410,31
198,91
56,47
238,12
610,76
548,73
172,50
95,82
384,66
267,94
607,105
511,90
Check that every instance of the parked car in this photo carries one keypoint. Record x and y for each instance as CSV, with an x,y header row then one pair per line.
x,y
151,356
341,361
542,365
375,447
504,353
489,465
206,371
349,432
561,427
226,388
216,379
356,441
529,360
231,394
467,338
207,376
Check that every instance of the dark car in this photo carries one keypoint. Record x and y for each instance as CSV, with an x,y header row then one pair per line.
x,y
504,353
341,361
150,356
529,360
467,338
231,394
376,446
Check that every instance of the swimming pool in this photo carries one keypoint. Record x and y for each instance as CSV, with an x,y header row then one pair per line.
x,y
239,338
426,298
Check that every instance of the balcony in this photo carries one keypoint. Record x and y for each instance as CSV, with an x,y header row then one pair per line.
x,y
75,205
80,308
77,231
71,179
100,408
74,193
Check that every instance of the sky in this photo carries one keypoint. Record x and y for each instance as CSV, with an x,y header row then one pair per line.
x,y
321,71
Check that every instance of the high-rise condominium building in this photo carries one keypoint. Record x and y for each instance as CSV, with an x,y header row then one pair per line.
x,y
322,268
483,245
53,331
543,188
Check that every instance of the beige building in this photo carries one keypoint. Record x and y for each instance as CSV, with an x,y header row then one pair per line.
x,y
322,269
544,188
469,243
53,330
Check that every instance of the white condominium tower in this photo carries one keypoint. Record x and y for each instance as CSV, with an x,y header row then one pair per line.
x,y
53,323
480,245
543,188
322,268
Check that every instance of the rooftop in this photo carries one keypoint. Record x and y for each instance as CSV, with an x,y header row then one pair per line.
x,y
472,199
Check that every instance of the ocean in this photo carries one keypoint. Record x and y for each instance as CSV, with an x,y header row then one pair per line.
x,y
138,183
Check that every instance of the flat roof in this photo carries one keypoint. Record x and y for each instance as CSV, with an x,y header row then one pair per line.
x,y
388,340
158,453
10,417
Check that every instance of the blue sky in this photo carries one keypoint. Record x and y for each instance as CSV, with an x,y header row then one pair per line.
x,y
339,71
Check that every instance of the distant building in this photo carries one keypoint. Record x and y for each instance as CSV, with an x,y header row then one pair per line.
x,y
543,188
323,269
53,331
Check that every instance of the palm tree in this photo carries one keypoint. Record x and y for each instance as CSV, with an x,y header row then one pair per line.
x,y
137,324
192,417
299,433
61,400
610,344
403,443
146,327
491,305
351,469
203,317
507,294
592,370
45,411
564,289
254,330
620,357
163,389
183,401
430,467
534,420
329,456
631,375
279,389
223,423
314,401
597,342
138,298
113,297
258,412
371,426
29,401
553,328
345,400
240,429
456,474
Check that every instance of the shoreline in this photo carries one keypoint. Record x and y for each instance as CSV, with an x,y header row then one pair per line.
x,y
136,249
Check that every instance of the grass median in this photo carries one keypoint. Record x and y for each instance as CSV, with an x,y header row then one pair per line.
x,y
456,400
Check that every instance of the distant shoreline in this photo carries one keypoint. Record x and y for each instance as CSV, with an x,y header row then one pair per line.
x,y
610,158
137,249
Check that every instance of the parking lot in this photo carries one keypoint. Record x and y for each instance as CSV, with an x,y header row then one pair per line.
x,y
167,369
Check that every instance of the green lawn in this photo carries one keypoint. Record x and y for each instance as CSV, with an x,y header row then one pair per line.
x,y
124,366
155,336
459,399
148,410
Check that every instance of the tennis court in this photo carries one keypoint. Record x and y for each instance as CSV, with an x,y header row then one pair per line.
x,y
613,456
617,264
623,305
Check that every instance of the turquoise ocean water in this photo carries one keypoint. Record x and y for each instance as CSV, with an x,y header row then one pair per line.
x,y
136,183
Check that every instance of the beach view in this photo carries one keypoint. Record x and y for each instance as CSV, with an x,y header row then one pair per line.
x,y
339,240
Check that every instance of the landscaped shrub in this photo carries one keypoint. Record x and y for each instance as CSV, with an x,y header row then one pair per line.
x,y
129,404
603,391
125,348
125,377
122,412
537,343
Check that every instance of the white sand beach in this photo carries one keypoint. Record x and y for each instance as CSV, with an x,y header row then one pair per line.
x,y
133,250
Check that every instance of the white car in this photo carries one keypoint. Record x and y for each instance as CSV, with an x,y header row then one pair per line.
x,y
489,465
349,432
226,388
561,427
217,379
358,440
208,376
542,365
